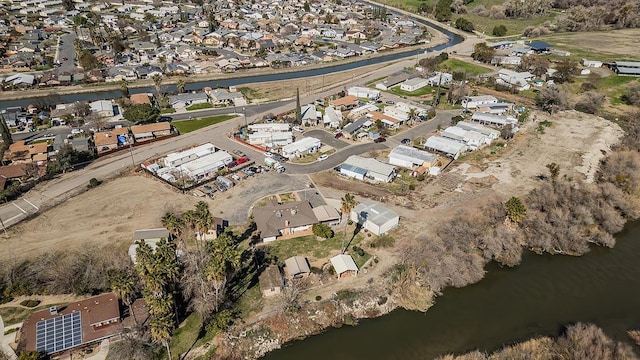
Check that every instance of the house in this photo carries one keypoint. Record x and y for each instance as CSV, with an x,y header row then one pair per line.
x,y
150,237
206,165
271,282
361,111
181,101
591,63
440,78
493,119
309,114
302,147
414,84
472,102
540,46
20,80
344,265
327,214
81,323
489,133
497,108
394,79
269,127
374,217
223,97
630,68
21,152
276,220
297,267
363,92
180,157
352,128
360,168
150,131
519,80
448,147
139,99
410,157
109,140
345,103
11,172
270,138
472,139
391,119
103,108
332,117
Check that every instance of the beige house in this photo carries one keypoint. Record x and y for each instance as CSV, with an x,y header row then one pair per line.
x,y
297,267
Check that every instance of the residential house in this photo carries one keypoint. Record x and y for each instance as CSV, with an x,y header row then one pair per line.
x,y
302,147
150,237
489,133
493,119
472,102
519,80
362,111
363,92
497,108
440,78
271,282
374,217
54,330
410,157
150,131
540,46
109,140
629,68
345,103
11,172
223,97
362,168
181,101
414,84
102,108
270,138
21,152
591,63
206,165
344,265
395,79
309,114
270,127
277,220
147,72
391,119
332,117
19,80
352,128
448,147
472,139
327,214
297,267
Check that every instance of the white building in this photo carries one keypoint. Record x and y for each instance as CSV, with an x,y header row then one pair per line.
x,y
471,138
449,147
102,108
375,217
440,78
362,110
181,157
360,168
269,127
414,84
304,146
472,102
344,265
332,117
271,138
409,157
519,80
591,63
493,119
363,92
489,133
206,165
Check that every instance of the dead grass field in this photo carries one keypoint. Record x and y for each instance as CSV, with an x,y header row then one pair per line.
x,y
614,44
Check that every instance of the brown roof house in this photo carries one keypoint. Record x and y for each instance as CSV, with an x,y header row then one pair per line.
x,y
345,102
271,281
109,140
150,131
21,152
11,172
277,220
297,267
80,323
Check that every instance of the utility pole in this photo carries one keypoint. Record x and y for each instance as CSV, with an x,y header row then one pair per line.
x,y
133,162
3,227
246,123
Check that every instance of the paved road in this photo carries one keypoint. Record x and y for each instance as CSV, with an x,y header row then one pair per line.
x,y
67,185
326,138
66,49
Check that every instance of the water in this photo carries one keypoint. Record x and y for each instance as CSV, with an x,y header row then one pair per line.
x,y
539,297
242,78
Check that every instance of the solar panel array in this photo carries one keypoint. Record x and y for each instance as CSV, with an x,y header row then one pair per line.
x,y
60,333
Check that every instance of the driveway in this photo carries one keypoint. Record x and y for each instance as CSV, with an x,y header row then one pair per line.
x,y
326,138
334,159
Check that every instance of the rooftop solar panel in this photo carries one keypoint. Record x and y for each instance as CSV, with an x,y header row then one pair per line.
x,y
58,334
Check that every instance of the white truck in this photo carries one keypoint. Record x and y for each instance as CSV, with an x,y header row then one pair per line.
x,y
272,163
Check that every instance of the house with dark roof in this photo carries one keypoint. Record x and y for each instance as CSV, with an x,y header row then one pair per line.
x,y
540,46
283,220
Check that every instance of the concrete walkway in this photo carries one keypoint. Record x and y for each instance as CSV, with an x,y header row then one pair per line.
x,y
102,352
6,340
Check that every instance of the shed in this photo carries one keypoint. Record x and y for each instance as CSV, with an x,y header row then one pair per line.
x,y
344,265
271,281
297,267
375,217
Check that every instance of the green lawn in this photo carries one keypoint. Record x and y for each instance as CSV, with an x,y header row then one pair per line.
x,y
310,247
187,126
250,302
250,93
455,65
14,315
186,335
201,106
422,91
168,111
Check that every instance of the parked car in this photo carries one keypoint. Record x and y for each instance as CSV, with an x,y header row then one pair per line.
x,y
255,169
406,141
248,172
221,187
268,154
298,129
238,152
207,188
279,158
390,102
235,177
232,164
166,119
338,135
75,131
241,160
323,157
380,140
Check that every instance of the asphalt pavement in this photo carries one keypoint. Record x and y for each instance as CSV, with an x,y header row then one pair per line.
x,y
326,138
66,49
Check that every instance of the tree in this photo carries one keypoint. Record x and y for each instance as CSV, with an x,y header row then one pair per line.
x,y
161,330
348,202
464,25
322,230
5,132
180,84
552,99
507,132
535,64
157,83
69,5
515,209
88,60
499,30
174,223
133,346
141,113
590,102
412,115
298,109
307,7
554,170
483,52
124,285
566,70
82,109
32,355
225,258
443,10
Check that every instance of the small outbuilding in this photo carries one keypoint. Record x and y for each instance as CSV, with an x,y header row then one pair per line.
x,y
271,281
297,267
344,265
374,217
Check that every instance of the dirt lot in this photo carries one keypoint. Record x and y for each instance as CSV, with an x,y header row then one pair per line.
x,y
623,42
108,215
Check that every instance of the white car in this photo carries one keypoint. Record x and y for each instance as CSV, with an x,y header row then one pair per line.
x,y
323,157
298,129
77,131
268,154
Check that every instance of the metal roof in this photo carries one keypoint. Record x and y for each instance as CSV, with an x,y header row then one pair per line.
x,y
157,233
411,154
297,265
354,169
444,145
342,263
374,212
631,64
370,165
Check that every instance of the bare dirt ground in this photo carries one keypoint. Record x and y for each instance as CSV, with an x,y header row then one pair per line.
x,y
618,42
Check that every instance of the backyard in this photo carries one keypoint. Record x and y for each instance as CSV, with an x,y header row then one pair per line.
x,y
311,247
187,126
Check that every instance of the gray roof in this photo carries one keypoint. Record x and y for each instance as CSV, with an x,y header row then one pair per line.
x,y
157,233
444,145
271,219
374,212
271,278
408,153
297,265
370,165
631,64
187,97
355,126
398,77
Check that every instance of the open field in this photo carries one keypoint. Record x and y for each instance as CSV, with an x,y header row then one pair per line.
x,y
455,65
599,45
187,126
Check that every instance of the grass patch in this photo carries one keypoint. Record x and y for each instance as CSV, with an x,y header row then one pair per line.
x,y
187,126
250,302
614,81
287,198
14,315
422,91
11,331
250,93
30,303
168,111
201,106
186,335
310,247
455,65
514,26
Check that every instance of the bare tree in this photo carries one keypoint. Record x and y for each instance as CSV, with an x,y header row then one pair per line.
x,y
289,297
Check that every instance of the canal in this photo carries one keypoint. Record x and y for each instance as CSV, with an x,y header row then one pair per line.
x,y
539,297
242,79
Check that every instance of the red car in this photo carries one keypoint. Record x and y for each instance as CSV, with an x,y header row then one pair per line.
x,y
242,160
64,58
338,135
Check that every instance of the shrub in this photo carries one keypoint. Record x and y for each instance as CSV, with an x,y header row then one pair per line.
x,y
318,298
499,30
322,230
30,303
93,183
464,25
420,177
412,187
383,241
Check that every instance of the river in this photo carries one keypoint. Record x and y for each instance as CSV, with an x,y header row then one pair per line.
x,y
246,77
539,297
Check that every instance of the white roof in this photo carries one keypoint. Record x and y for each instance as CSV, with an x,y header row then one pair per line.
x,y
371,165
343,263
482,98
303,144
444,145
272,135
412,154
199,151
269,127
216,159
101,105
415,81
478,128
374,212
493,118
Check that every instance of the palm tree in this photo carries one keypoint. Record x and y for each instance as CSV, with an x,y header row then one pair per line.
x,y
123,284
204,220
174,223
161,329
180,84
157,83
225,258
347,204
412,114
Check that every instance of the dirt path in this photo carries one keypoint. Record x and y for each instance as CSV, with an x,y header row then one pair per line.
x,y
44,300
